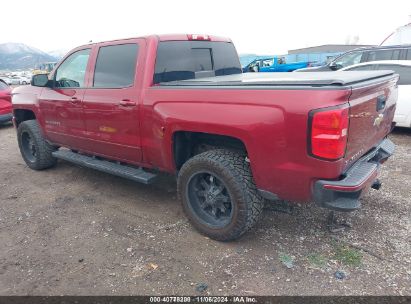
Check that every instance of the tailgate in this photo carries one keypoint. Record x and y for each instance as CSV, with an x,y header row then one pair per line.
x,y
372,107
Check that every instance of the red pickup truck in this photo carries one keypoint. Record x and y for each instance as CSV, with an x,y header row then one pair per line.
x,y
5,103
180,104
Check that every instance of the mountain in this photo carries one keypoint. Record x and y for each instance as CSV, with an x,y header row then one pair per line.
x,y
15,56
59,53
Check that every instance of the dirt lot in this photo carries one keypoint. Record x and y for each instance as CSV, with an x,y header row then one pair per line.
x,y
72,230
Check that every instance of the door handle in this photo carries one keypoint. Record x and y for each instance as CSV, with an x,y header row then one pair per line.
x,y
127,103
74,100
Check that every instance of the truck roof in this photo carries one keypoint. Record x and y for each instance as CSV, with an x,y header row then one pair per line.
x,y
168,37
338,78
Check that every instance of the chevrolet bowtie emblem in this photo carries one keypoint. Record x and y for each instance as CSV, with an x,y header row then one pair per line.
x,y
378,120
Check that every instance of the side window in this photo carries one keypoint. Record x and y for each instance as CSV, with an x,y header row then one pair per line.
x,y
115,66
348,59
364,57
409,54
268,62
367,67
396,54
72,71
380,55
403,71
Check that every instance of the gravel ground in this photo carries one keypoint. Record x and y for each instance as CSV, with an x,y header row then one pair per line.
x,y
75,231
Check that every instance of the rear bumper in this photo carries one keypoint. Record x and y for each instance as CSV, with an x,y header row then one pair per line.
x,y
344,194
6,117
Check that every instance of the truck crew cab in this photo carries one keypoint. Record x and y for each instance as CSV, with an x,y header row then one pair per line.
x,y
180,104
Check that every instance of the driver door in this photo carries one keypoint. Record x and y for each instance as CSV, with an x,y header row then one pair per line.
x,y
62,105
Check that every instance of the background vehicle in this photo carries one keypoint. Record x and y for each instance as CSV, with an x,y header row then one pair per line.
x,y
399,52
44,68
273,64
25,79
15,80
402,115
5,79
180,104
5,103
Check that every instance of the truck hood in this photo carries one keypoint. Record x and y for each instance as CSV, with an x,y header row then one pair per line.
x,y
317,79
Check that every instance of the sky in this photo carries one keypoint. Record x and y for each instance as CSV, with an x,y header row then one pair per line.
x,y
257,26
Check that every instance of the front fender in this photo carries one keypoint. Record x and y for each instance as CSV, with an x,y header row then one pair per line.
x,y
26,98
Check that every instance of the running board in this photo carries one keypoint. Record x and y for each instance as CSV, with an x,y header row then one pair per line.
x,y
134,174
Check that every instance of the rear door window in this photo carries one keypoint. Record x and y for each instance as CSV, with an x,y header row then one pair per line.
x,y
396,54
409,54
179,60
403,71
115,66
377,55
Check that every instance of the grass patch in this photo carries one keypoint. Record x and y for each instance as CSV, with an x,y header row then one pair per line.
x,y
347,255
286,259
317,260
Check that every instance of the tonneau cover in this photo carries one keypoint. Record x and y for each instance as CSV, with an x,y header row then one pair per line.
x,y
338,78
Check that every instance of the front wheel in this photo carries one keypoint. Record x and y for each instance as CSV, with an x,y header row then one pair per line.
x,y
36,151
218,194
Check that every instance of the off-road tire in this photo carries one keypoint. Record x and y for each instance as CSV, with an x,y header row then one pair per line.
x,y
233,169
43,158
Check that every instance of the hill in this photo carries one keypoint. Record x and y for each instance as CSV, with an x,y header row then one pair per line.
x,y
15,56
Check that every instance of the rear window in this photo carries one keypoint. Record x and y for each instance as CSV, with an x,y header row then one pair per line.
x,y
403,71
179,60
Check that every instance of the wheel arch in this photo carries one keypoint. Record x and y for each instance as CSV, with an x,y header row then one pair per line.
x,y
186,144
21,115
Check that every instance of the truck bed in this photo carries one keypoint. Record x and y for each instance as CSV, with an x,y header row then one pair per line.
x,y
310,79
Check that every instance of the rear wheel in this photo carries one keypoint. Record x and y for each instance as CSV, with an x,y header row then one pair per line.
x,y
36,152
218,194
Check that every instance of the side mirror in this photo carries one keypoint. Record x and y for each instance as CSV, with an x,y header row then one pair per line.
x,y
335,66
40,80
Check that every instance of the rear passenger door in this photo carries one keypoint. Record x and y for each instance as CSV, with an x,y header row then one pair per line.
x,y
111,103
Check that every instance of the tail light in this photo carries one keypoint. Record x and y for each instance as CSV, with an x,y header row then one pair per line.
x,y
328,133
